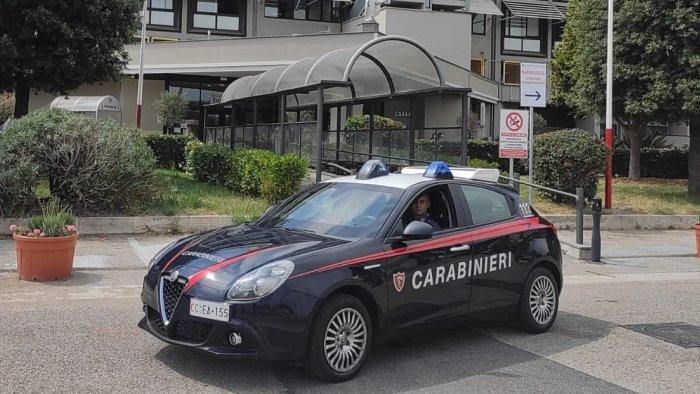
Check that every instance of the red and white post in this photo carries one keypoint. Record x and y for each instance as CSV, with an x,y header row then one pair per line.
x,y
609,111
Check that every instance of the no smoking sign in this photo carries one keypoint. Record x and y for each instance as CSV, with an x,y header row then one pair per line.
x,y
513,136
514,121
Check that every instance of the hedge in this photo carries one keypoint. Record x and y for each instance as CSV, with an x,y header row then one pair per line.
x,y
252,172
169,149
670,163
567,159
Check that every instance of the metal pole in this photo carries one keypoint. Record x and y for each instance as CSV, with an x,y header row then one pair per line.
x,y
609,110
371,129
319,133
283,116
139,90
579,215
465,129
232,143
530,166
255,123
595,236
511,173
412,133
516,185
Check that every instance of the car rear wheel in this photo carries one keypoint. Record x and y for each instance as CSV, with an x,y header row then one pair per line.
x,y
539,301
341,338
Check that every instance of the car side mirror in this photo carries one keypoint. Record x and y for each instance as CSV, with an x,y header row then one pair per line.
x,y
417,230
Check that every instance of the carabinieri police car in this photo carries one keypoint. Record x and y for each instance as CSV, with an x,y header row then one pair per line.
x,y
350,261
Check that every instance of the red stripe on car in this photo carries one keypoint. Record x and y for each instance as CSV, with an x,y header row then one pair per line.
x,y
498,230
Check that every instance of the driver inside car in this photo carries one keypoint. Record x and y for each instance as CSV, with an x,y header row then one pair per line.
x,y
419,210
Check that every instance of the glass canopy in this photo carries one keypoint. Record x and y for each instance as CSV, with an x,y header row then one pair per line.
x,y
384,66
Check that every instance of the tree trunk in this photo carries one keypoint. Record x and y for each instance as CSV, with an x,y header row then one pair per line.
x,y
635,149
21,101
694,158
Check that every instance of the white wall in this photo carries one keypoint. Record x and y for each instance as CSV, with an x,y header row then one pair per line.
x,y
445,34
151,92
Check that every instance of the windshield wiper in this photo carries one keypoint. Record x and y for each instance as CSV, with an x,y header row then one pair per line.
x,y
298,230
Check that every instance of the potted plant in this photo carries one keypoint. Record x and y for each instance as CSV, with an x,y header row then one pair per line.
x,y
45,248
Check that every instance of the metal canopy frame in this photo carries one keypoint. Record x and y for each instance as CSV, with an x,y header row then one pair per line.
x,y
354,75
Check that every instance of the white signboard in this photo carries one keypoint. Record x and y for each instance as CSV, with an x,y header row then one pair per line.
x,y
513,141
533,84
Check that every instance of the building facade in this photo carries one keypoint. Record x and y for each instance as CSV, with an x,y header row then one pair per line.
x,y
198,47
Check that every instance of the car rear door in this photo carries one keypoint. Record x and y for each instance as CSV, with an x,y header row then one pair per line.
x,y
496,232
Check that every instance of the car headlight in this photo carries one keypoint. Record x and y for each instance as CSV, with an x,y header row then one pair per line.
x,y
261,282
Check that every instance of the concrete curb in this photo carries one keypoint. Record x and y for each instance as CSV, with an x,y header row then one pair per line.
x,y
193,224
627,222
137,224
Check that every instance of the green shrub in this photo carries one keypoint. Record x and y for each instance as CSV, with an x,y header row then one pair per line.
x,y
92,166
209,163
169,149
361,122
171,108
670,163
18,178
251,166
7,105
479,163
565,160
284,177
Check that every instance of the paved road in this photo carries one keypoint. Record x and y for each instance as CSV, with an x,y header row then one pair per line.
x,y
81,336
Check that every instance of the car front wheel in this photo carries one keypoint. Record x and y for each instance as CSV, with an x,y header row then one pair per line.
x,y
539,301
341,338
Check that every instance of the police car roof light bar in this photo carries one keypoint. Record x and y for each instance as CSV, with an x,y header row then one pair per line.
x,y
372,169
438,170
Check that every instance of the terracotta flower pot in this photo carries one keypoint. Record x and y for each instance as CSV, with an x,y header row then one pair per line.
x,y
46,258
697,239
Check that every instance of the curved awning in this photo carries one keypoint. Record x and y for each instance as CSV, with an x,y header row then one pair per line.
x,y
384,66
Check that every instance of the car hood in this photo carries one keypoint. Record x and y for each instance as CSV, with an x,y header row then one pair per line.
x,y
217,258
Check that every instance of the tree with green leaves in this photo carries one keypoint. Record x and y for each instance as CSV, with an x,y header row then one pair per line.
x,y
56,46
656,68
172,108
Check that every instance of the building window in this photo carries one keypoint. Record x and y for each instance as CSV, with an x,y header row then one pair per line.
x,y
523,34
478,66
511,73
312,10
163,14
557,32
479,24
217,16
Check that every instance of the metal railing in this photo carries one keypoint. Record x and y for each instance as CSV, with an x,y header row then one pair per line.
x,y
578,197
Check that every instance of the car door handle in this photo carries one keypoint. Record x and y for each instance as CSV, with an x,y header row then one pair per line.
x,y
373,266
459,248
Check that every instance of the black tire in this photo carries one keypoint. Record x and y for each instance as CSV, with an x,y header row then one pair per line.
x,y
339,308
539,316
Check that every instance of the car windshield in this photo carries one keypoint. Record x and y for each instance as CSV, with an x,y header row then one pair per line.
x,y
348,210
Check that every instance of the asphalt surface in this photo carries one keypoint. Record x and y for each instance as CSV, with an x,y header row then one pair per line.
x,y
80,335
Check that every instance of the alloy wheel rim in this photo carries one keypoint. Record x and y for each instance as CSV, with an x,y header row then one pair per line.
x,y
345,340
542,300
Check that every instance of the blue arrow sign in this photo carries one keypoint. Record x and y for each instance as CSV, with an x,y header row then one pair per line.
x,y
538,95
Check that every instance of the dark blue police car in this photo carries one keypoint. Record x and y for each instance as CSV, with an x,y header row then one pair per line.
x,y
343,264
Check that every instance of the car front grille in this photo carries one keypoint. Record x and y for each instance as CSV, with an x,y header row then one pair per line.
x,y
192,331
170,292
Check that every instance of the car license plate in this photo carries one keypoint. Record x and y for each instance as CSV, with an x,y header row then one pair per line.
x,y
209,310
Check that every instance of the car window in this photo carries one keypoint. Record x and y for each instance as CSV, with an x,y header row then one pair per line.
x,y
440,211
486,206
337,209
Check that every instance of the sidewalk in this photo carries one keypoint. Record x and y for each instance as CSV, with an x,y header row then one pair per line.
x,y
645,251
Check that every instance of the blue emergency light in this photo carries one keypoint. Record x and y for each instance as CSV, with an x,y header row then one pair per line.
x,y
438,170
372,169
